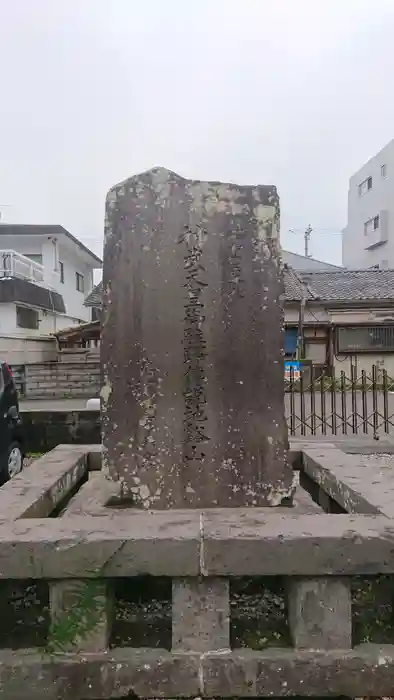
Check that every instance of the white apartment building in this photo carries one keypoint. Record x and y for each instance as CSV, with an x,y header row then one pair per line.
x,y
368,239
45,276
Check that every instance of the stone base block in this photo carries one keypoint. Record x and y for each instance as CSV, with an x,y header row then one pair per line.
x,y
320,613
81,615
200,615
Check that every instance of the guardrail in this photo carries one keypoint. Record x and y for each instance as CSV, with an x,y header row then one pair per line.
x,y
13,264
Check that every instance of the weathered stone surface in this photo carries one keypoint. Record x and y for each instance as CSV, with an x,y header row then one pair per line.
x,y
367,671
81,615
251,544
192,398
361,672
36,492
100,497
357,487
148,673
200,614
320,613
159,544
184,543
92,497
302,501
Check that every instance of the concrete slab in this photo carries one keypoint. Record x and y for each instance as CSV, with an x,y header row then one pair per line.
x,y
357,485
36,492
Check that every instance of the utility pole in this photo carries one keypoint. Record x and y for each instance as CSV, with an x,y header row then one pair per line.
x,y
307,238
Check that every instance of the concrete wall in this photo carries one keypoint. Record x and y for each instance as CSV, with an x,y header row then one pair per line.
x,y
356,250
49,323
22,350
8,319
44,430
61,380
364,361
313,315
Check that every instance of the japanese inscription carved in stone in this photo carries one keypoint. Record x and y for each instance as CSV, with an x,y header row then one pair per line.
x,y
192,397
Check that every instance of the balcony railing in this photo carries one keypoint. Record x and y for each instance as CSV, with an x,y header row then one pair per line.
x,y
13,264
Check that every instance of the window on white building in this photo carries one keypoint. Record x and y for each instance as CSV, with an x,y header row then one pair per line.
x,y
383,170
27,318
371,225
364,186
79,282
35,257
365,339
61,270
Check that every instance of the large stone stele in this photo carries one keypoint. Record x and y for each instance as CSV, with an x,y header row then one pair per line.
x,y
193,381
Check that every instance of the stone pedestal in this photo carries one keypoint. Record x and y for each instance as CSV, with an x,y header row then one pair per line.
x,y
200,614
193,381
320,613
81,615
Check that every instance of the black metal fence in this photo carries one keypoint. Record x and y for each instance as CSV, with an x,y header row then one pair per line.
x,y
340,405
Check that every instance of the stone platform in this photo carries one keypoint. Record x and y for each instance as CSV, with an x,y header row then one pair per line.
x,y
311,571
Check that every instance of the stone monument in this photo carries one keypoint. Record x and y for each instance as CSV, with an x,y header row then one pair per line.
x,y
193,379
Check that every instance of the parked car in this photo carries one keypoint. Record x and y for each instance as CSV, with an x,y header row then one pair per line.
x,y
11,432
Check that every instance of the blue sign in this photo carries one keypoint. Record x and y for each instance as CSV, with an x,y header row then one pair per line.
x,y
292,370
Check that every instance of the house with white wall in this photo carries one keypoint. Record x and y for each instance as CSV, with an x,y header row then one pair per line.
x,y
45,276
368,239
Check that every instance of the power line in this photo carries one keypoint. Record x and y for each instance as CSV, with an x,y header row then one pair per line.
x,y
321,232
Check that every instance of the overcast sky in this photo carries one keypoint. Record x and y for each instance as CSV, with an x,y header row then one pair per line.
x,y
299,93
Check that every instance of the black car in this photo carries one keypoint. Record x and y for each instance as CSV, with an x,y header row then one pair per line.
x,y
11,434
